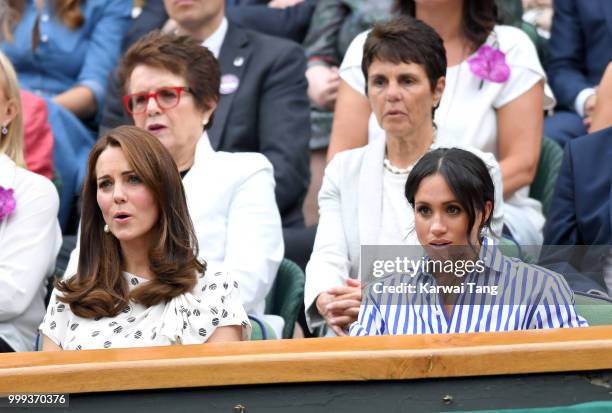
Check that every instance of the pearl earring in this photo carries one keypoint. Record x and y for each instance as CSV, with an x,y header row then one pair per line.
x,y
4,130
106,228
205,122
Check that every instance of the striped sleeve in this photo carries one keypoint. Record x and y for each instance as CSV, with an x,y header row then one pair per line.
x,y
370,321
556,309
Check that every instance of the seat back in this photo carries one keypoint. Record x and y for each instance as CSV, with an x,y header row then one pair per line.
x,y
596,310
287,295
543,185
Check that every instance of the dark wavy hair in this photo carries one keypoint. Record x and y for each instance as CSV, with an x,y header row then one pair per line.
x,y
181,55
465,174
99,289
479,18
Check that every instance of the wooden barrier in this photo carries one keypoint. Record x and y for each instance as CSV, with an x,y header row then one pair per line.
x,y
342,359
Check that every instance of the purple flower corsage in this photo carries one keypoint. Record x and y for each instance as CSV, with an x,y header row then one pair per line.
x,y
490,64
7,202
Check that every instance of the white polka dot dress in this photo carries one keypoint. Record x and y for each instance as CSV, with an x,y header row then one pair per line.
x,y
190,318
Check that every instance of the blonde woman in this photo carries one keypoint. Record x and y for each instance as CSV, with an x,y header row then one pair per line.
x,y
29,232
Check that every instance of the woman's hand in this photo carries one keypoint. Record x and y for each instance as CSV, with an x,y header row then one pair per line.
x,y
323,83
339,306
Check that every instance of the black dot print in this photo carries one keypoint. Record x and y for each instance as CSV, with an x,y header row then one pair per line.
x,y
196,312
107,344
131,319
215,321
134,281
202,332
95,333
213,287
74,326
52,325
118,329
223,314
138,334
61,308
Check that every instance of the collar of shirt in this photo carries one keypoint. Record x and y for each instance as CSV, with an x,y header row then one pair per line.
x,y
215,40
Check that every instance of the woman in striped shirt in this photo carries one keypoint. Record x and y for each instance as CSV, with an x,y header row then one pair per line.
x,y
452,195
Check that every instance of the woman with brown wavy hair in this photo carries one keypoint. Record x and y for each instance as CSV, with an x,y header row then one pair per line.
x,y
139,282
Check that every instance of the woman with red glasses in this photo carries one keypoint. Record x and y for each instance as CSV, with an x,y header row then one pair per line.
x,y
172,88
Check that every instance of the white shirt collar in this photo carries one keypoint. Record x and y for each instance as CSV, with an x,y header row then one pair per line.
x,y
215,40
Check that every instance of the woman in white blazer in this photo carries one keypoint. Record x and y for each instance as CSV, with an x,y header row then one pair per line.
x,y
362,201
30,236
230,196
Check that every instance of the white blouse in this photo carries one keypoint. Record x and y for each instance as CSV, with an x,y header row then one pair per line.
x,y
469,111
190,318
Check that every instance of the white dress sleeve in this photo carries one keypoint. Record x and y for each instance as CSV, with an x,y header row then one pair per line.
x,y
350,69
525,67
56,323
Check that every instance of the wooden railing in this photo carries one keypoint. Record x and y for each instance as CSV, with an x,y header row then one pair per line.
x,y
309,360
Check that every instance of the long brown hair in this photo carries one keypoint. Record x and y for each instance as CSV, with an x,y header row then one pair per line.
x,y
479,18
99,289
69,11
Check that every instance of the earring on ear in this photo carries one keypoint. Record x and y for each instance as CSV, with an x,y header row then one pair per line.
x,y
106,228
205,122
4,130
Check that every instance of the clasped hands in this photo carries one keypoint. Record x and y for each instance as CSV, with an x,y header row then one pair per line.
x,y
339,306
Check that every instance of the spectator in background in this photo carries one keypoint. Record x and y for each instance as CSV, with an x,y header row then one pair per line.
x,y
578,233
263,106
580,49
501,115
172,88
64,50
361,198
138,264
29,233
37,135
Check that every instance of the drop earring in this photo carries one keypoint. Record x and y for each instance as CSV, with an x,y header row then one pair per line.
x,y
4,130
106,228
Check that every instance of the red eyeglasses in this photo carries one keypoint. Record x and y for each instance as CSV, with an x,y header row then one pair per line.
x,y
166,98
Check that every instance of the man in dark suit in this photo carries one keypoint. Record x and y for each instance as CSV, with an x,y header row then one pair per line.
x,y
263,106
578,232
580,49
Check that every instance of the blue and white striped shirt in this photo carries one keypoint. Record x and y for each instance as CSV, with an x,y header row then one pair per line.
x,y
527,297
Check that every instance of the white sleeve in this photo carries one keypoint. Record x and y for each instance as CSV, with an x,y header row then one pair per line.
x,y
329,263
581,99
525,67
254,245
350,69
56,321
232,311
29,244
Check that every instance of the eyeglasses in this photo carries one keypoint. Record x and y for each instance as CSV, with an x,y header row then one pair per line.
x,y
166,98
